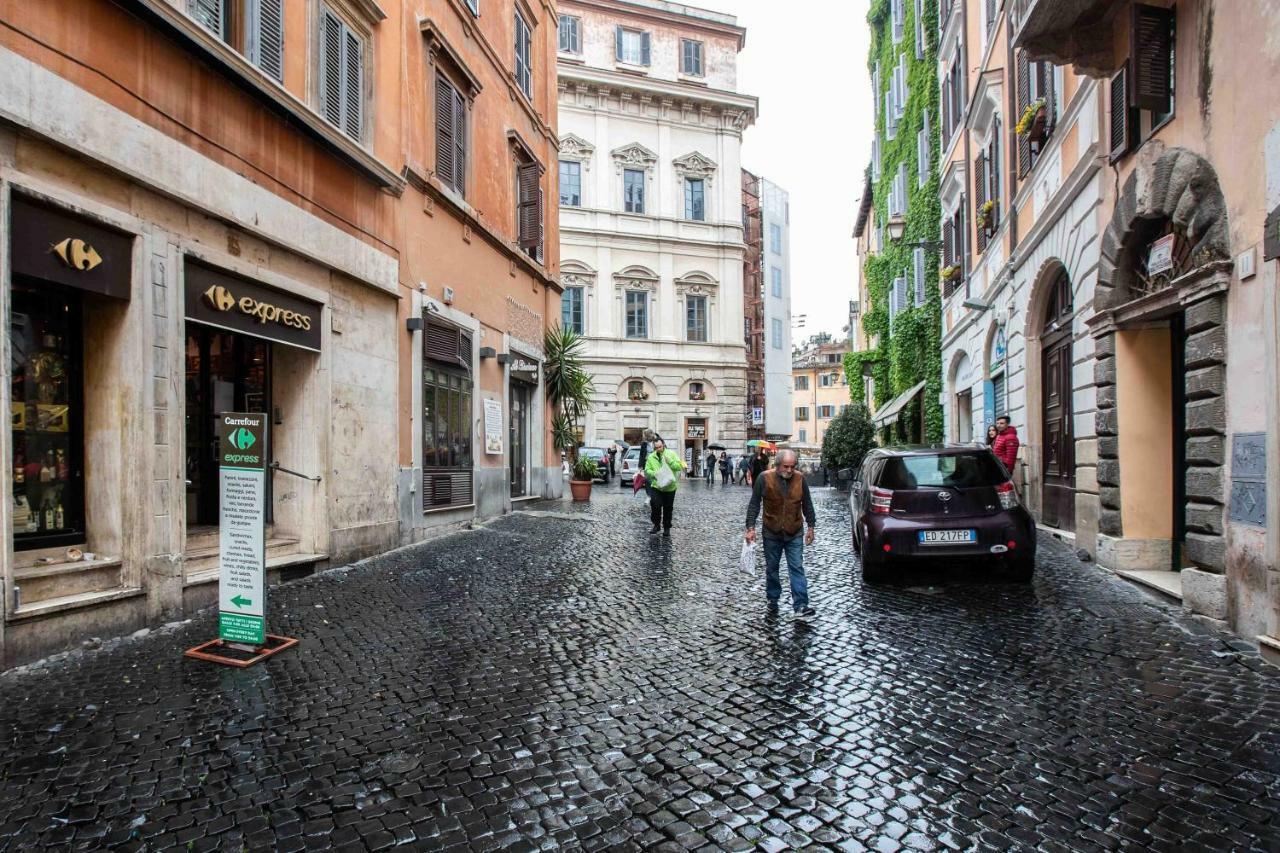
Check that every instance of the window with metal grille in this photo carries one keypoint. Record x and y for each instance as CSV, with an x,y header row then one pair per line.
x,y
695,327
341,75
570,33
451,135
570,183
637,310
691,57
633,190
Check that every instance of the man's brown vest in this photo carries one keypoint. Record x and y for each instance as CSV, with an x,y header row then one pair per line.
x,y
783,504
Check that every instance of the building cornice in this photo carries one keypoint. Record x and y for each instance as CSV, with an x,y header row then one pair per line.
x,y
605,81
716,23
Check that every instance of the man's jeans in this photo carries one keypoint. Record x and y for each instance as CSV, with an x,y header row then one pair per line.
x,y
794,549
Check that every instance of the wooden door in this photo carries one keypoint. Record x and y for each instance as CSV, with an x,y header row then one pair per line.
x,y
1059,463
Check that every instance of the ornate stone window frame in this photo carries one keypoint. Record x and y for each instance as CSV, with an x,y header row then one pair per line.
x,y
697,283
635,156
578,274
636,279
696,165
575,149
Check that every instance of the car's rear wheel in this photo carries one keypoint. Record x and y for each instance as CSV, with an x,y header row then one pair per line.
x,y
1021,568
873,571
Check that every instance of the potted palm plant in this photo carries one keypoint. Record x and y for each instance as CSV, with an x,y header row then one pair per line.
x,y
569,393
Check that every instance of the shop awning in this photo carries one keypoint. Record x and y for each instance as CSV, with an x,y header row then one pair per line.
x,y
889,412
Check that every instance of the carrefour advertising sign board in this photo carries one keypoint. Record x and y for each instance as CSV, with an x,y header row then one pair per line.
x,y
242,441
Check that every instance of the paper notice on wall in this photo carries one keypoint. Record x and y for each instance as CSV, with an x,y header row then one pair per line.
x,y
493,426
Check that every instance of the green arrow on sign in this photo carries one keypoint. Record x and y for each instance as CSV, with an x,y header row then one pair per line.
x,y
241,601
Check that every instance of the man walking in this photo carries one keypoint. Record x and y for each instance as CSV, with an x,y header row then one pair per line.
x,y
1005,446
660,470
709,467
788,506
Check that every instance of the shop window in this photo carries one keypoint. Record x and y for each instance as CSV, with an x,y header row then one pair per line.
x,y
446,417
46,417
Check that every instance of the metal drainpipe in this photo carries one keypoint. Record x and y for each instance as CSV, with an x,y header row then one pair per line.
x,y
1011,74
964,129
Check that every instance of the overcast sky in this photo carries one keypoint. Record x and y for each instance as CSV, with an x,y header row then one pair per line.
x,y
812,137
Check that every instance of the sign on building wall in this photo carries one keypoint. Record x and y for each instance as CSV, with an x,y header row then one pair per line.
x,y
1249,478
695,428
757,416
242,441
1160,258
493,426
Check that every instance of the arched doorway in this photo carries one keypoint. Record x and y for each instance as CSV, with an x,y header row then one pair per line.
x,y
1058,479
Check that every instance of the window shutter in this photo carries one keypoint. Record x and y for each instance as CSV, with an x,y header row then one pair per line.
x,y
919,9
1151,50
617,43
980,187
875,158
993,162
918,261
1024,100
445,344
459,142
529,223
331,68
445,132
353,96
266,37
1119,114
644,48
1049,90
948,243
210,14
904,88
946,108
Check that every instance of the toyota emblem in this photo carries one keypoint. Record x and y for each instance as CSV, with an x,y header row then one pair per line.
x,y
944,496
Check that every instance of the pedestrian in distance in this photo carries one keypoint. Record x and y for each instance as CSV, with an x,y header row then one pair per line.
x,y
724,468
1005,445
788,508
709,467
759,464
991,435
744,468
660,470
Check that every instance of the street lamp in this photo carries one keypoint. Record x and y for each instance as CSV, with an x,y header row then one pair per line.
x,y
897,227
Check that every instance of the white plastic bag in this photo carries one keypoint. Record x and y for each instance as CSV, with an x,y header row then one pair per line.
x,y
747,562
663,478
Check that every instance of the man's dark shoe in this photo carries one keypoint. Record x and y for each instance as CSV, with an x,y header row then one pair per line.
x,y
806,614
653,530
771,610
666,531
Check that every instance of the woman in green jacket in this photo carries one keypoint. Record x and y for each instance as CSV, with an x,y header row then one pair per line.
x,y
662,497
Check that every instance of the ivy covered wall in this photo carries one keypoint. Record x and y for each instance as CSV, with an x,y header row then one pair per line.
x,y
910,350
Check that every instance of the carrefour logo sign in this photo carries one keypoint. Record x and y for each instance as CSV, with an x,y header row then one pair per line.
x,y
242,439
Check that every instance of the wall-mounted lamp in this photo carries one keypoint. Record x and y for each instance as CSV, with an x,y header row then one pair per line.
x,y
504,358
487,352
414,324
897,226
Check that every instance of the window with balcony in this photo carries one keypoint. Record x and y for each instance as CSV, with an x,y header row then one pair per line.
x,y
633,190
987,170
1037,110
570,183
255,28
954,234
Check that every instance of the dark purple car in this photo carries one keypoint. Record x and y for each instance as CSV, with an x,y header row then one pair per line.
x,y
944,501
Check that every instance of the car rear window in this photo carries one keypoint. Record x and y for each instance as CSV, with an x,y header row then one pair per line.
x,y
950,471
591,453
633,453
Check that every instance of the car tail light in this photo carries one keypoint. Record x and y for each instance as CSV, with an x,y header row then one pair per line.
x,y
880,500
1008,497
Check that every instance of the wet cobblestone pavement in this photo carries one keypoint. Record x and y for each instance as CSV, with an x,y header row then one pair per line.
x,y
568,682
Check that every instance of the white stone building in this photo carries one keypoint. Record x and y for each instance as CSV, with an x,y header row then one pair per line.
x,y
775,208
650,217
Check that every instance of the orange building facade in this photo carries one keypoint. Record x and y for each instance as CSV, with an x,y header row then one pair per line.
x,y
259,205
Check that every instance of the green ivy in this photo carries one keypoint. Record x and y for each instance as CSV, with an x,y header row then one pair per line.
x,y
911,350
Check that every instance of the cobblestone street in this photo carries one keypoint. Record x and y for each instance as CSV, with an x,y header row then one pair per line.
x,y
558,682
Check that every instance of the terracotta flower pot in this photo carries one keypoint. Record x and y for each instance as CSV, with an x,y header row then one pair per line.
x,y
581,489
